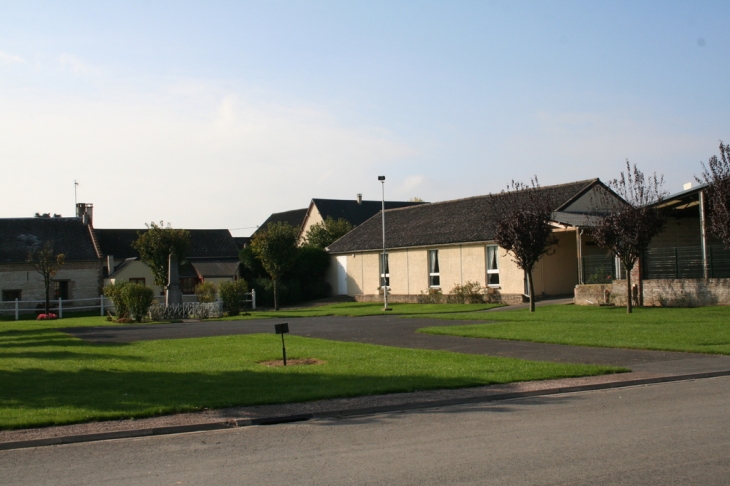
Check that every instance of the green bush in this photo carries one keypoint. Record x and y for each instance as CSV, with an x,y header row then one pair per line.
x,y
233,295
433,296
138,300
206,292
113,292
469,293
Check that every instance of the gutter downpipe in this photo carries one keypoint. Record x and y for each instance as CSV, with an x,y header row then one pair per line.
x,y
703,233
579,242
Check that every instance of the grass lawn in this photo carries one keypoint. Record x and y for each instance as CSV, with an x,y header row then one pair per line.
x,y
701,330
47,377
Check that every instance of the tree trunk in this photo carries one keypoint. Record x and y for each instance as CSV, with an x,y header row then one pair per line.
x,y
629,303
47,282
531,289
276,300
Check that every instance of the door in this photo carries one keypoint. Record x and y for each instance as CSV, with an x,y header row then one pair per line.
x,y
342,275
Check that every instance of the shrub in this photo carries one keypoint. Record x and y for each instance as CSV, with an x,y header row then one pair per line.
x,y
233,295
138,300
206,292
45,317
114,293
469,293
433,296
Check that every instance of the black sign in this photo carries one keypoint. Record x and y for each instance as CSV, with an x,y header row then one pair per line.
x,y
282,328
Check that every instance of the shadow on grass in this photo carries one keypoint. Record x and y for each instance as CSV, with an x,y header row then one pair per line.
x,y
35,338
36,397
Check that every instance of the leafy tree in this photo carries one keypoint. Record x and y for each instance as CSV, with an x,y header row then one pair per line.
x,y
276,248
47,265
324,233
233,295
138,299
206,292
627,229
523,225
156,244
114,292
716,174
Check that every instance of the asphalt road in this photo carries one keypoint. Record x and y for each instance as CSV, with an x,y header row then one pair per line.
x,y
673,433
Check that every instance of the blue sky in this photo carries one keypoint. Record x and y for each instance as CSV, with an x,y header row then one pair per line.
x,y
215,114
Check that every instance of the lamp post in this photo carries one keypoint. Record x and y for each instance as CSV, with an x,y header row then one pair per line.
x,y
383,277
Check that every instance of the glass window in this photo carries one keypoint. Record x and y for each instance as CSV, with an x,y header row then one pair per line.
x,y
11,295
139,281
60,289
434,275
492,265
384,271
187,285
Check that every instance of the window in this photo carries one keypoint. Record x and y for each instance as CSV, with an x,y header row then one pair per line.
x,y
139,281
60,289
434,275
187,284
11,295
384,271
492,265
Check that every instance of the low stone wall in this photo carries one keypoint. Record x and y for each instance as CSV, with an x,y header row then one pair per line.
x,y
593,294
686,292
495,297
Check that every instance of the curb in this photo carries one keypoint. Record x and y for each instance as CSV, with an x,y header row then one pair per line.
x,y
276,420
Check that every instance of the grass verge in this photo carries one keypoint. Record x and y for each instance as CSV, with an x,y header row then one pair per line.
x,y
360,309
51,378
699,330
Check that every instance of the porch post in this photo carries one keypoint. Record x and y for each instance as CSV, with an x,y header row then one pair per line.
x,y
703,236
579,246
16,308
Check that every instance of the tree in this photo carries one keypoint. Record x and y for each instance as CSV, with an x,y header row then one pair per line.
x,y
324,233
206,292
233,294
716,174
523,225
627,229
154,247
47,264
276,248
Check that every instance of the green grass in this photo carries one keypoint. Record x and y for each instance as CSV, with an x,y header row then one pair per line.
x,y
700,330
48,377
360,309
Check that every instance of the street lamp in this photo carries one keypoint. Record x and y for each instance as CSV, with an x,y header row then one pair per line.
x,y
383,261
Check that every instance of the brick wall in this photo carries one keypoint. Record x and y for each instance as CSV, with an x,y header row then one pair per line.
x,y
84,280
592,294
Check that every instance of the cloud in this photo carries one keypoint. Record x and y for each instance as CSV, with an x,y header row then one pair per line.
x,y
76,65
7,59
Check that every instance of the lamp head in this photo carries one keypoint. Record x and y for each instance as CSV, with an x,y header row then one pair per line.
x,y
381,178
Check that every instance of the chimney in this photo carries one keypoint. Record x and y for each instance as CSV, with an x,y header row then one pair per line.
x,y
359,199
110,264
85,212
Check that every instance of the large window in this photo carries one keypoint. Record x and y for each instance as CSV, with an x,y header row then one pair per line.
x,y
187,285
492,265
434,275
384,271
11,295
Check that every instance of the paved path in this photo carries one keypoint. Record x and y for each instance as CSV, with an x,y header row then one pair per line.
x,y
675,433
401,332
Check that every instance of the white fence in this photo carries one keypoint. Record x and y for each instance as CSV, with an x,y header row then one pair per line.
x,y
57,306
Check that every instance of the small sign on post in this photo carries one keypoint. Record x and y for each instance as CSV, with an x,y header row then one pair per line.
x,y
282,329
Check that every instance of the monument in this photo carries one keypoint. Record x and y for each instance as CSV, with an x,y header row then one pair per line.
x,y
173,292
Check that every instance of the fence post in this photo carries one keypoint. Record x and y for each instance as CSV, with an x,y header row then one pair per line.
x,y
16,308
253,299
60,308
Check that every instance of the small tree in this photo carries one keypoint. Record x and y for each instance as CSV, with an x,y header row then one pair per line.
x,y
523,225
716,174
276,248
627,229
155,245
114,292
206,292
138,299
47,265
233,295
324,233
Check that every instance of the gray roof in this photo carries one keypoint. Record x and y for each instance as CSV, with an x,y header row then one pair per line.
x,y
354,212
204,243
70,236
466,220
215,268
295,218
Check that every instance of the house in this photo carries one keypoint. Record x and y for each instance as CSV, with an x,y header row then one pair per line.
x,y
444,244
213,258
79,278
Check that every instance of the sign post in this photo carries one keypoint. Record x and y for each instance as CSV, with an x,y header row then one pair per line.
x,y
282,329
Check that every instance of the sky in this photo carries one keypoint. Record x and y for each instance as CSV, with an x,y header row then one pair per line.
x,y
216,114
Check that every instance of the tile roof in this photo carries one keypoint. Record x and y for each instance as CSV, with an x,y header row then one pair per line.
x,y
70,236
205,243
294,217
466,220
354,212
